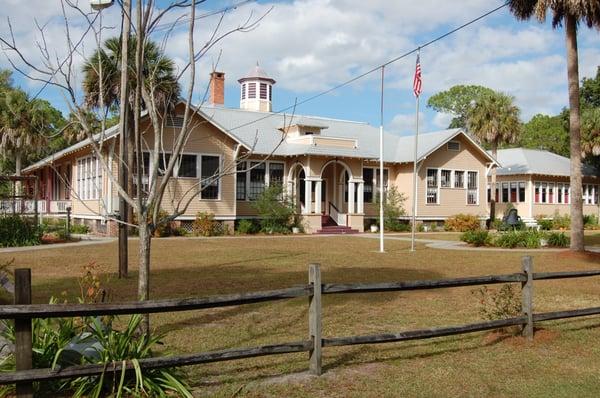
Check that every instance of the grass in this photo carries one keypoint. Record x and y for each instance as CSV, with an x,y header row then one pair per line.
x,y
564,360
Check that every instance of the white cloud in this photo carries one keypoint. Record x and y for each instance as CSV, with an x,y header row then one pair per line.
x,y
404,124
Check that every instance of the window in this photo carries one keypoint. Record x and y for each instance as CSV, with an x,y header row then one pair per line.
x,y
590,194
251,90
244,91
505,194
549,192
163,163
209,183
275,173
514,192
89,178
472,188
188,166
385,180
263,91
567,193
544,192
459,179
175,121
445,179
257,180
240,180
368,186
521,192
432,186
453,146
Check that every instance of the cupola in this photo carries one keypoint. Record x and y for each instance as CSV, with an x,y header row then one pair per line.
x,y
256,90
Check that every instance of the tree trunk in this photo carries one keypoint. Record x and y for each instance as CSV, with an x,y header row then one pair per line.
x,y
493,186
18,167
144,266
575,134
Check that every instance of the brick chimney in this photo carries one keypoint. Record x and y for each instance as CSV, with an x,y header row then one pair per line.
x,y
217,88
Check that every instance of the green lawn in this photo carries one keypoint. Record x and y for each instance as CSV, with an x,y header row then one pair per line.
x,y
564,360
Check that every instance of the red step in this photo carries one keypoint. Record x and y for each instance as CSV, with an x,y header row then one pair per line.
x,y
336,230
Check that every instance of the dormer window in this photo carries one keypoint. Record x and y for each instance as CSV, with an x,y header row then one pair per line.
x,y
309,133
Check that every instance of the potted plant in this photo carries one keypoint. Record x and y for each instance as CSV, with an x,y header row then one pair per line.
x,y
374,228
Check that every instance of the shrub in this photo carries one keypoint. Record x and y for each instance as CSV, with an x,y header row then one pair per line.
x,y
205,225
79,229
245,227
545,224
558,239
393,209
590,221
511,239
19,231
276,210
498,304
477,238
462,223
561,221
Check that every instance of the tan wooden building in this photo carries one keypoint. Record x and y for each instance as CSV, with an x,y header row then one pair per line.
x,y
329,166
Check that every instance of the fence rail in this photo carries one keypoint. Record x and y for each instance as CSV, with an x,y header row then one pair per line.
x,y
22,312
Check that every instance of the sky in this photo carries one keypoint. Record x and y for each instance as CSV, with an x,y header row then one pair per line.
x,y
310,46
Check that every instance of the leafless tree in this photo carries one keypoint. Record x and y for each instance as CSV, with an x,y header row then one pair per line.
x,y
152,182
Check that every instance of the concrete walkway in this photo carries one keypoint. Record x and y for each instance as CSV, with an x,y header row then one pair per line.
x,y
89,240
455,245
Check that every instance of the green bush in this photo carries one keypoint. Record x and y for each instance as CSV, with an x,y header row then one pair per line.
x,y
561,221
81,229
590,221
558,239
498,304
511,239
393,209
276,210
462,223
246,227
477,238
19,231
545,224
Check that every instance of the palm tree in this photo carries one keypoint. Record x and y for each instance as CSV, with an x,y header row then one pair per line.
x,y
494,120
569,12
158,75
23,124
590,132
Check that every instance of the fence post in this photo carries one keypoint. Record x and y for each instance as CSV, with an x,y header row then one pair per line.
x,y
23,350
314,319
527,295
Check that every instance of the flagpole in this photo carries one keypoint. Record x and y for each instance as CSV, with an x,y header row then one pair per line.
x,y
415,193
381,193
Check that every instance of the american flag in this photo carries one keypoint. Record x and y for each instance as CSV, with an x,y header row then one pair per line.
x,y
417,80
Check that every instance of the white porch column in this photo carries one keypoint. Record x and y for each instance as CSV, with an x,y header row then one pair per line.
x,y
361,203
307,196
318,184
350,197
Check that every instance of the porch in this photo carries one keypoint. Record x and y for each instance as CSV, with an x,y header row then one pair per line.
x,y
331,200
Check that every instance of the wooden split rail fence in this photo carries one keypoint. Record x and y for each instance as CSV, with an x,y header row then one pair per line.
x,y
23,312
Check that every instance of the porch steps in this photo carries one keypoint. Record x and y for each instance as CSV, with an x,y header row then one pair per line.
x,y
336,230
329,227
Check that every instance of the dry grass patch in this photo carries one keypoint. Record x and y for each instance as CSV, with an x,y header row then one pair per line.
x,y
567,364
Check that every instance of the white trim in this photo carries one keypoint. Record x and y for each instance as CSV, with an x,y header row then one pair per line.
x,y
427,187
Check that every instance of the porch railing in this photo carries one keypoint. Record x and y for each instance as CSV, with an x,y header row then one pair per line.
x,y
59,206
339,218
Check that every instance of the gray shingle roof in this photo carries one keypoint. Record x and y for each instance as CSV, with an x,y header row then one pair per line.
x,y
261,132
535,161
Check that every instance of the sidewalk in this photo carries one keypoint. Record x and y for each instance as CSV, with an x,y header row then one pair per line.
x,y
87,241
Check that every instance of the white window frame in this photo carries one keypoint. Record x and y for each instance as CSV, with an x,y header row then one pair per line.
x,y
427,187
450,180
89,187
267,175
454,179
199,173
476,189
